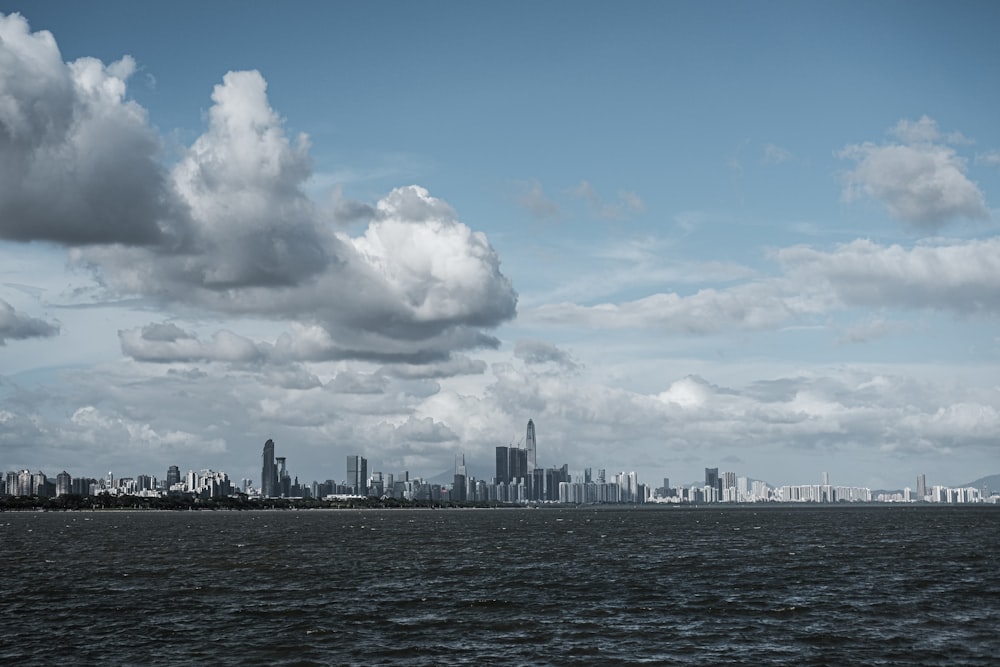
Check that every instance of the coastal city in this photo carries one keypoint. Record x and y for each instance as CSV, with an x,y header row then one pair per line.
x,y
518,481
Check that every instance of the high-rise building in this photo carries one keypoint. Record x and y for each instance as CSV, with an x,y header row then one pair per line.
x,y
459,487
268,472
921,487
64,484
357,474
284,485
503,466
712,481
173,476
530,446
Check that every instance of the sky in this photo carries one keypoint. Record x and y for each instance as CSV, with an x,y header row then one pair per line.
x,y
762,237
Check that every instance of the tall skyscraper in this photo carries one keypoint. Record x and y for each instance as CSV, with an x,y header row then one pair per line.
x,y
268,472
459,486
529,446
173,476
357,474
921,487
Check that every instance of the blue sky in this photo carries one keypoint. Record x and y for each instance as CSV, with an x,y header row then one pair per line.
x,y
755,236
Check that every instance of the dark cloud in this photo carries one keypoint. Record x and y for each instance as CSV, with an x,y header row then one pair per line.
x,y
17,326
541,352
79,163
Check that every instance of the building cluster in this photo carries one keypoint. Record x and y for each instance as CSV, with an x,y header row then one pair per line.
x,y
204,484
730,488
518,480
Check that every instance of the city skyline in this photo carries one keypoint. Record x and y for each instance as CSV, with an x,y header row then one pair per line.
x,y
677,236
511,466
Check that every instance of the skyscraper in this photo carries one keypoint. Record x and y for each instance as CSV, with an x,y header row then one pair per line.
x,y
268,472
921,487
173,476
712,481
503,466
459,486
529,445
357,474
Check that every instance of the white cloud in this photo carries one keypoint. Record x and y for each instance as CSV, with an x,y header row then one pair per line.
x,y
989,158
920,180
534,200
776,154
962,277
628,202
759,305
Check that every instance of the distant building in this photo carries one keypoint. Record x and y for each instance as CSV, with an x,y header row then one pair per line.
x,y
713,484
173,476
357,474
268,472
64,484
530,447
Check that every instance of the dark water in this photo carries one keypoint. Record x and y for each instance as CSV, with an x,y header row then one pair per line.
x,y
774,586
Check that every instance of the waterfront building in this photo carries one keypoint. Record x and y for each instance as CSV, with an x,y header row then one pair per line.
x,y
357,474
64,484
268,472
530,447
712,481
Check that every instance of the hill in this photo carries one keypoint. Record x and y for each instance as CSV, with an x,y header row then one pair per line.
x,y
991,482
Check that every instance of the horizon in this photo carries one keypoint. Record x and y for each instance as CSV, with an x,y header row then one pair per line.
x,y
764,239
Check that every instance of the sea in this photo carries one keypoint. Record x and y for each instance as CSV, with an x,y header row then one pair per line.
x,y
716,585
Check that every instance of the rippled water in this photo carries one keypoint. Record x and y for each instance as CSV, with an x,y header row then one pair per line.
x,y
778,586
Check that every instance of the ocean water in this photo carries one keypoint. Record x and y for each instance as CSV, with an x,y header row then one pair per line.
x,y
707,586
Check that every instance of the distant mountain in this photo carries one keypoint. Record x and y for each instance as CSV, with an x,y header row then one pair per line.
x,y
991,482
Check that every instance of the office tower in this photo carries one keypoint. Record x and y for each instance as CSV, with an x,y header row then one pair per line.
x,y
357,474
530,446
826,479
173,476
712,481
268,472
458,488
503,466
921,486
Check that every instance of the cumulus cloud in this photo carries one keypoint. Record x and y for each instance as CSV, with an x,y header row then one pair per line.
x,y
79,163
98,428
17,326
228,228
919,178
